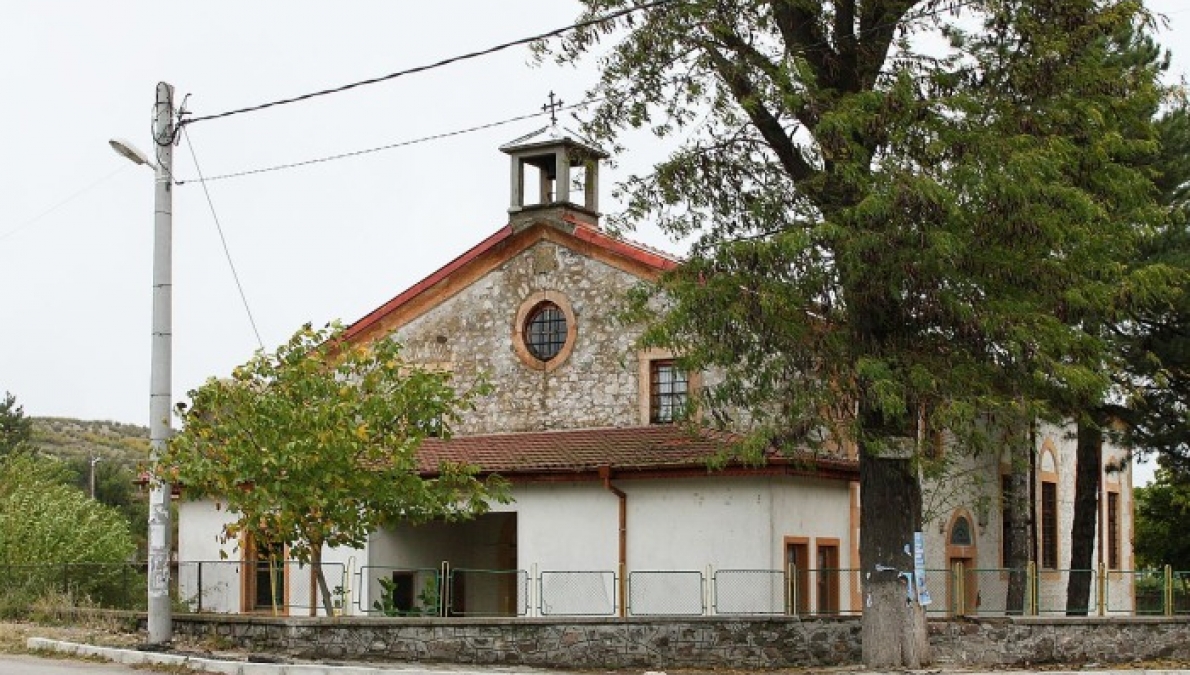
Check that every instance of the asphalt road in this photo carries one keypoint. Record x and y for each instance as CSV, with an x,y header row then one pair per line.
x,y
33,665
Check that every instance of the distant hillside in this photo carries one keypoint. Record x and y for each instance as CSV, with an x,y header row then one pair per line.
x,y
123,444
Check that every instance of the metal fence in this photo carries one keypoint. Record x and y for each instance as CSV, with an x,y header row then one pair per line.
x,y
446,591
750,592
288,587
1179,592
104,585
937,583
1051,591
1147,596
475,592
279,587
398,591
579,593
666,593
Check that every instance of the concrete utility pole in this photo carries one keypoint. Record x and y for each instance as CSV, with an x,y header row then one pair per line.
x,y
160,620
95,459
164,131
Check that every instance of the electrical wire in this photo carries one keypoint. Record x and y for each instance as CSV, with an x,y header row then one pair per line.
x,y
226,251
380,148
438,64
356,153
506,45
5,235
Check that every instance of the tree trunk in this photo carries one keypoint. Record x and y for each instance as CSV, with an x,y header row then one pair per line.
x,y
1086,511
893,628
1016,532
327,603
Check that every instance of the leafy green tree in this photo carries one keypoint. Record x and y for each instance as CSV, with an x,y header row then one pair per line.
x,y
888,241
315,445
16,430
115,486
1156,344
1162,511
1147,354
1170,169
1153,353
45,524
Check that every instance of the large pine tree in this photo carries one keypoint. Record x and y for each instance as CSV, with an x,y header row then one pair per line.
x,y
893,235
1156,342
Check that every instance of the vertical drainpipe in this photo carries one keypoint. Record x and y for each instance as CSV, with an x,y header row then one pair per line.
x,y
1100,576
605,472
1101,506
1034,552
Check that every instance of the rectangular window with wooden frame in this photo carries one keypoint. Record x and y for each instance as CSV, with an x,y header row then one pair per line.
x,y
668,392
264,579
1049,525
797,565
827,581
1113,530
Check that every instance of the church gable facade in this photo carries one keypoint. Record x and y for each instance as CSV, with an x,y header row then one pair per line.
x,y
537,285
614,511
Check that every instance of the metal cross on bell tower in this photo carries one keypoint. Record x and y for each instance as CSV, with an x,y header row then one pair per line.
x,y
555,176
552,107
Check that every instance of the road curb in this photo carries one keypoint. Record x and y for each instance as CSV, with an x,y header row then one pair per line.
x,y
135,657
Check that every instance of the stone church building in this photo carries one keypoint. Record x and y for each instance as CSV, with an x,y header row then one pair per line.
x,y
614,511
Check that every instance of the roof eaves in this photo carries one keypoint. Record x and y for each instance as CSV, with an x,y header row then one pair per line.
x,y
376,315
629,249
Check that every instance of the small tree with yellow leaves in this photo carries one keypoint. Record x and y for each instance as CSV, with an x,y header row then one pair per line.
x,y
315,445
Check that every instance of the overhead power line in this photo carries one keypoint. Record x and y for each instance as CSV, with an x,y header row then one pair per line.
x,y
380,148
63,202
438,64
356,153
506,45
226,252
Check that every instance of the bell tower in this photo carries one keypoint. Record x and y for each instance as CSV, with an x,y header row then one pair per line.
x,y
565,170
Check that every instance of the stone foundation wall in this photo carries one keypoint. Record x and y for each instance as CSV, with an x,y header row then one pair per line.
x,y
1072,640
778,642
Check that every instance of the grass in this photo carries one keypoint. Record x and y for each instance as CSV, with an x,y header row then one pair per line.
x,y
93,630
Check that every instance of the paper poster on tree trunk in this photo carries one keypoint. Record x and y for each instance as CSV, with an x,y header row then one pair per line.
x,y
919,569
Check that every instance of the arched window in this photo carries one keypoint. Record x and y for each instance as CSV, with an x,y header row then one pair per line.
x,y
960,533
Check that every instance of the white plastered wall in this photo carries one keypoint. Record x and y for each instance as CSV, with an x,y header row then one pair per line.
x,y
211,568
207,566
686,525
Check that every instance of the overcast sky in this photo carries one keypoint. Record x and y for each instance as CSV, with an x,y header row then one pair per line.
x,y
328,241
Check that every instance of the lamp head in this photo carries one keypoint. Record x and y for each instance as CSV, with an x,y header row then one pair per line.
x,y
129,151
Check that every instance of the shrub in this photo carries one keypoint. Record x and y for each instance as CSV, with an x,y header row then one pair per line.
x,y
53,538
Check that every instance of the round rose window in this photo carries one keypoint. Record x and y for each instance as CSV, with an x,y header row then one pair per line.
x,y
545,331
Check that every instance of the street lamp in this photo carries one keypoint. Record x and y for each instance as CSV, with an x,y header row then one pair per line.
x,y
130,152
160,620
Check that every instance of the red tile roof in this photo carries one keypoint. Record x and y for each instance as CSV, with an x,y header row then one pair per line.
x,y
442,273
624,248
662,260
645,450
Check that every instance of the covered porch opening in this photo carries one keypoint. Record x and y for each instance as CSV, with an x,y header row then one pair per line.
x,y
455,569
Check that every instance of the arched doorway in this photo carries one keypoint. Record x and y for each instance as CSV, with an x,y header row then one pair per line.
x,y
962,592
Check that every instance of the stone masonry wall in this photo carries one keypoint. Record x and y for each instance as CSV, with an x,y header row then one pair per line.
x,y
706,642
1029,641
471,333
